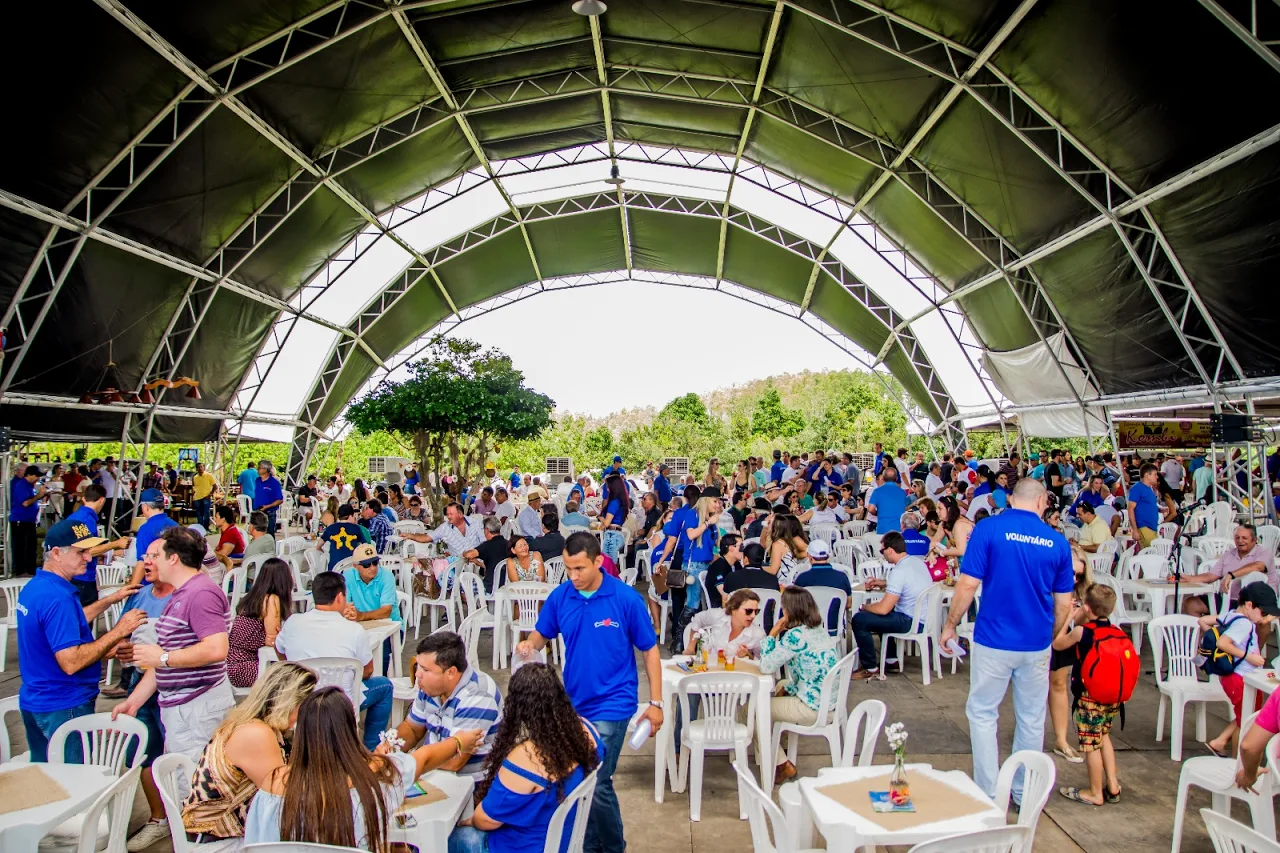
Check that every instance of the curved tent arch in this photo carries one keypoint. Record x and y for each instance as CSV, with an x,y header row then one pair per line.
x,y
981,139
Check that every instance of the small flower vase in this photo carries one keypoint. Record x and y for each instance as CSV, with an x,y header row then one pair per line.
x,y
899,788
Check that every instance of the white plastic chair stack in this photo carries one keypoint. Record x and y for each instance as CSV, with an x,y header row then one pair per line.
x,y
834,700
577,802
1217,776
1229,836
8,622
1038,775
1213,547
555,571
924,633
1175,644
716,727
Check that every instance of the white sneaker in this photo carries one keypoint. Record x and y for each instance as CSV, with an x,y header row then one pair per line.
x,y
151,832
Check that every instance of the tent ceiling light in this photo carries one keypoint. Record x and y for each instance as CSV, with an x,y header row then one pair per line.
x,y
615,177
590,8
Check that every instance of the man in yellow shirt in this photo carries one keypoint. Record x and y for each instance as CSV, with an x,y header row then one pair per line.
x,y
1094,531
204,486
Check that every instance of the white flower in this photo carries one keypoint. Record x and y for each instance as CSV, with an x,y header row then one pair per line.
x,y
896,734
392,739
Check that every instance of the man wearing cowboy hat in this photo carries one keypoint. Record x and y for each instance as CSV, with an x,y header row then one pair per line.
x,y
529,521
59,660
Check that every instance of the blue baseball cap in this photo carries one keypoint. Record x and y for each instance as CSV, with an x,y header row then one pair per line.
x,y
72,533
617,459
151,496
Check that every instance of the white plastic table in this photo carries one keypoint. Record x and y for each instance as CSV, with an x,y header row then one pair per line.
x,y
21,831
379,630
664,741
1260,680
502,617
436,820
1158,592
845,830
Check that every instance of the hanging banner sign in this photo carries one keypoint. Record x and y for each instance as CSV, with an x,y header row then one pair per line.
x,y
1138,435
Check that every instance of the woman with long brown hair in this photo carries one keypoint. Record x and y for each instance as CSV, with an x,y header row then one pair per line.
x,y
787,546
329,766
259,616
543,750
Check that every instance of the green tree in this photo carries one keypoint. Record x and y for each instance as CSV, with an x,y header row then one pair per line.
x,y
687,409
774,420
862,414
457,403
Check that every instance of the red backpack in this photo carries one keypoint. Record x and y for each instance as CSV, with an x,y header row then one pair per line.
x,y
1110,668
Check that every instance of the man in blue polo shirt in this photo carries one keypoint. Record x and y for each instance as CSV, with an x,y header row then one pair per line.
x,y
59,659
889,502
151,502
662,487
917,543
602,621
86,583
1025,570
24,511
1144,506
268,495
778,468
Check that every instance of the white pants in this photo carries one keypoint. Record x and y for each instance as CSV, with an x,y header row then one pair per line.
x,y
188,727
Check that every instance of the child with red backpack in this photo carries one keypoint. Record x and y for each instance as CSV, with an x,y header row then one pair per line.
x,y
1105,673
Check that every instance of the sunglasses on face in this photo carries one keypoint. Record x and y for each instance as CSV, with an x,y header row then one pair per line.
x,y
750,611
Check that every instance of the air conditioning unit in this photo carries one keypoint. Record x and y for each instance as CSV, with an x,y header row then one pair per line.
x,y
679,465
380,466
559,467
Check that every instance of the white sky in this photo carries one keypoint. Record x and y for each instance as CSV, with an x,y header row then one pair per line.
x,y
763,343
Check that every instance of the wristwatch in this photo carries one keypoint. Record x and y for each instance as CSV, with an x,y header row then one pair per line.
x,y
164,659
655,703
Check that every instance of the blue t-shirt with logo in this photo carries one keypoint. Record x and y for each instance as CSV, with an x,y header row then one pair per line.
x,y
890,503
86,516
1022,562
601,631
248,481
343,537
150,531
917,542
267,491
1146,509
51,619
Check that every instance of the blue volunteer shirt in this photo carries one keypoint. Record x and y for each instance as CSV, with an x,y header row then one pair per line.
x,y
343,537
702,549
20,490
51,619
682,519
150,531
890,503
86,516
601,631
1022,562
776,471
411,483
1145,506
662,488
248,480
917,542
267,491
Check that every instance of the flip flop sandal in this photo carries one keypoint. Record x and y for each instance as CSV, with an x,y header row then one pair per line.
x,y
1215,752
1110,797
1074,794
1070,755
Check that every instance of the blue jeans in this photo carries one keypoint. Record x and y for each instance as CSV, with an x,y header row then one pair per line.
x,y
866,625
693,591
468,839
149,716
604,824
377,700
990,671
40,727
204,512
271,520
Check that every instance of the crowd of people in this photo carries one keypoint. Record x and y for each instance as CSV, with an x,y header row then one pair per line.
x,y
266,766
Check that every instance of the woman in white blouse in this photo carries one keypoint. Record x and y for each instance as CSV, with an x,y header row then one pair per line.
x,y
732,628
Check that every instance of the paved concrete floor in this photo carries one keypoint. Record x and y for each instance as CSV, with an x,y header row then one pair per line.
x,y
934,716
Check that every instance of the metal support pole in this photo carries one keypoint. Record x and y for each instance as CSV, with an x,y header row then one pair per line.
x,y
111,504
6,463
146,448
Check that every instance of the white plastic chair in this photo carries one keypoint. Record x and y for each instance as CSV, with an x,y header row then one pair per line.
x,y
234,584
770,606
470,586
1213,547
442,602
1038,776
825,597
1269,537
244,504
1175,641
104,741
8,622
628,576
251,565
113,574
578,801
872,570
1123,614
834,701
857,528
110,811
555,570
872,541
842,552
347,673
1163,547
828,533
1229,836
1167,530
7,707
524,600
664,607
1002,839
924,632
1218,777
765,817
172,772
291,545
716,727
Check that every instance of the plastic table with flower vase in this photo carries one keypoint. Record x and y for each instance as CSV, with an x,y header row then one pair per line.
x,y
665,763
427,826
846,830
378,631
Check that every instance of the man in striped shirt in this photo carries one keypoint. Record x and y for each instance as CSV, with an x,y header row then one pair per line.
x,y
188,664
452,697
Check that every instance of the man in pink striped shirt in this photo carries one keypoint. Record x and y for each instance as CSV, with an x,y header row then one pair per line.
x,y
188,663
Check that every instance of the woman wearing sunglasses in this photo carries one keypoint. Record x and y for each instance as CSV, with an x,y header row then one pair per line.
x,y
733,629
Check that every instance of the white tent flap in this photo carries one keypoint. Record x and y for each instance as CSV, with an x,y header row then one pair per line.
x,y
1030,377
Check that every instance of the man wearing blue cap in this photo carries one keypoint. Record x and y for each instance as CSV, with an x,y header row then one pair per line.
x,y
155,522
59,660
614,467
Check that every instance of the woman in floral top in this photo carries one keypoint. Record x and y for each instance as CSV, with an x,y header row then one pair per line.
x,y
798,641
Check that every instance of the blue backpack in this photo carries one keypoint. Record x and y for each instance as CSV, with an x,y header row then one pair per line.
x,y
1216,661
